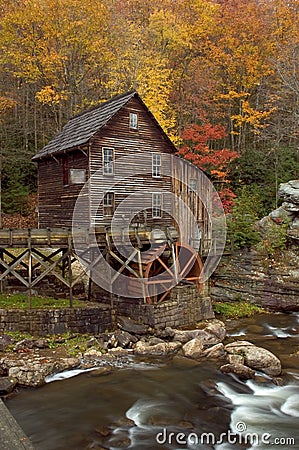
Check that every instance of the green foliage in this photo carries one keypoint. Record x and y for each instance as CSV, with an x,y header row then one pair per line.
x,y
15,198
21,301
265,168
275,238
247,210
74,344
18,179
236,310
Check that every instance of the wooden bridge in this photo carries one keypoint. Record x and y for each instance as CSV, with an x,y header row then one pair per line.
x,y
30,255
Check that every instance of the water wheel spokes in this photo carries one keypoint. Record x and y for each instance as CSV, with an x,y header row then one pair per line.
x,y
188,264
162,275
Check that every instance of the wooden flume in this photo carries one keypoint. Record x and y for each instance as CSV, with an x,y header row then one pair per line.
x,y
152,267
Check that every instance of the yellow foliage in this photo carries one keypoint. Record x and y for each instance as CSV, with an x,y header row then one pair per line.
x,y
48,96
252,117
6,104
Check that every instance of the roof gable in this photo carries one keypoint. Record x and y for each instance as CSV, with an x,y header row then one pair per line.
x,y
82,127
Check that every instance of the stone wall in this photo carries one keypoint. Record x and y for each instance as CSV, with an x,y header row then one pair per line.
x,y
271,282
184,307
92,319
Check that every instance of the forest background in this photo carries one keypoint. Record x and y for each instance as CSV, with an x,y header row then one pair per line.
x,y
221,77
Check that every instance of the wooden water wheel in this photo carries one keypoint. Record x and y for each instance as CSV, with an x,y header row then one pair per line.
x,y
163,273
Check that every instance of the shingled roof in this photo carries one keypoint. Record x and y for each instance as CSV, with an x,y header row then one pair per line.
x,y
83,126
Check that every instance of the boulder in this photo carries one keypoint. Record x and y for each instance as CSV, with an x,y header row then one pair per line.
x,y
291,208
92,353
282,213
184,336
125,339
162,349
24,344
210,333
166,333
130,326
242,372
119,351
193,349
256,358
235,359
5,342
214,352
33,370
217,328
289,191
7,385
41,343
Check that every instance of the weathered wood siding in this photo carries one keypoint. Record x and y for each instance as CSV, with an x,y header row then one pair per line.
x,y
194,210
132,181
132,166
56,201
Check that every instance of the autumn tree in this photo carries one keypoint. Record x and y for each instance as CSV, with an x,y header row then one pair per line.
x,y
198,149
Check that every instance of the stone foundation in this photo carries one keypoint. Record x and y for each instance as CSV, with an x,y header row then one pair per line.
x,y
184,307
92,320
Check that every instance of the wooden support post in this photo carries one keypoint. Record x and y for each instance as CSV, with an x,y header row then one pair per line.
x,y
29,271
141,275
70,270
63,263
2,269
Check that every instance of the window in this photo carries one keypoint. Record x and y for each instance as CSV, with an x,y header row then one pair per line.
x,y
77,176
108,204
133,121
156,165
157,205
193,185
108,161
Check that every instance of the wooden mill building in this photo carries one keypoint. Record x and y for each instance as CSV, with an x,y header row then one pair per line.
x,y
120,154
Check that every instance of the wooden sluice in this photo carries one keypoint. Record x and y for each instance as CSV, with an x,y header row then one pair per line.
x,y
30,255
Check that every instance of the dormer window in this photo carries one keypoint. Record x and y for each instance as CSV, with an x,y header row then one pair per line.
x,y
133,121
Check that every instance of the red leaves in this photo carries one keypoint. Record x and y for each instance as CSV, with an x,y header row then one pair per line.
x,y
198,151
198,139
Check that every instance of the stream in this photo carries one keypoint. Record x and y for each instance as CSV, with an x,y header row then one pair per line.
x,y
172,404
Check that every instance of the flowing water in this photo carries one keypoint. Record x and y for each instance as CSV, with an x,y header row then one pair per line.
x,y
176,404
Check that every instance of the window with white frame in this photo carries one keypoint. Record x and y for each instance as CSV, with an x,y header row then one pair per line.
x,y
108,161
108,204
156,205
156,165
133,121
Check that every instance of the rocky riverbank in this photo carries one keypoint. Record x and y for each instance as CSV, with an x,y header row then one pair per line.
x,y
268,281
30,361
267,274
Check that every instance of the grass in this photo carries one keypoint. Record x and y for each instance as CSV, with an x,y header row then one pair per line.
x,y
21,301
73,343
236,310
